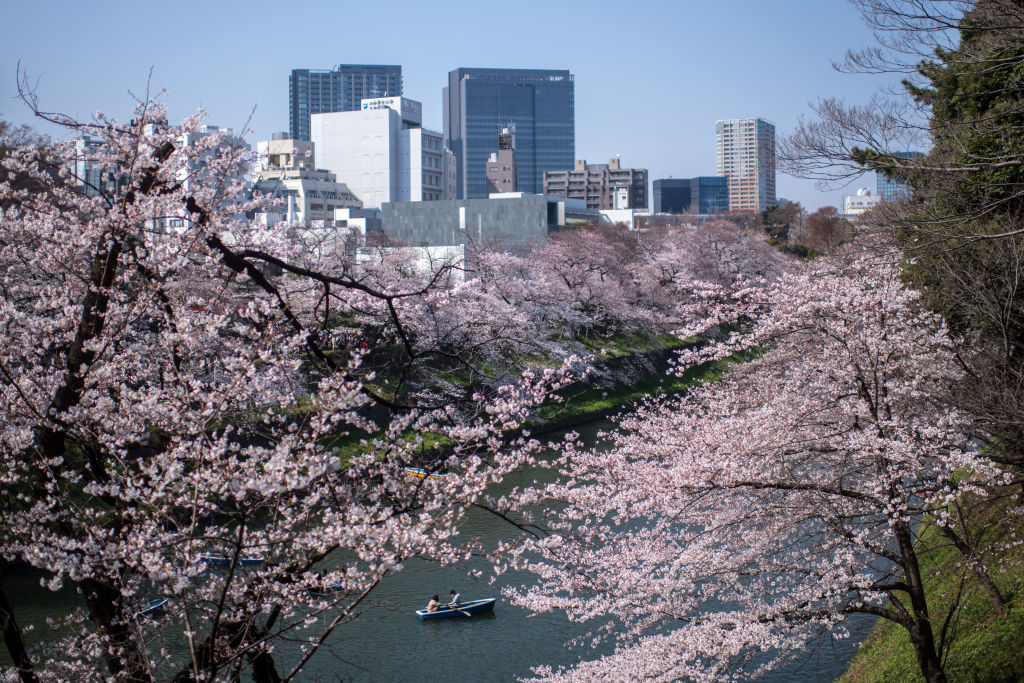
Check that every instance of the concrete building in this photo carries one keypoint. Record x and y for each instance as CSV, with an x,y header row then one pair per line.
x,y
382,153
701,195
631,218
318,91
601,186
745,154
286,169
855,205
501,165
363,220
514,218
890,190
196,171
539,103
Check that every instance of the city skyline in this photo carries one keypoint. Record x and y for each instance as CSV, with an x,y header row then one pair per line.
x,y
657,108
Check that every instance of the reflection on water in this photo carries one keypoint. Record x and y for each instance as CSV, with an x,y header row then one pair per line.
x,y
388,643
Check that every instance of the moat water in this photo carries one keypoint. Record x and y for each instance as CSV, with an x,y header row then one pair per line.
x,y
388,643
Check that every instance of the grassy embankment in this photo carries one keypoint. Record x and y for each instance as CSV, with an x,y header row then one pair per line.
x,y
987,647
583,401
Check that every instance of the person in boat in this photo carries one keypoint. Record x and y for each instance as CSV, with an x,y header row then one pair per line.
x,y
433,604
455,599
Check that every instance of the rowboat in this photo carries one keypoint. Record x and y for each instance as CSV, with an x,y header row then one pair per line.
x,y
151,607
422,473
463,609
222,560
325,591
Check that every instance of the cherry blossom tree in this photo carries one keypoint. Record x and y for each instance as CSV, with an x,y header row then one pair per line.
x,y
169,395
605,281
735,524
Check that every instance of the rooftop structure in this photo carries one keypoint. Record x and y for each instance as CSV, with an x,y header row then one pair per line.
x,y
855,205
501,165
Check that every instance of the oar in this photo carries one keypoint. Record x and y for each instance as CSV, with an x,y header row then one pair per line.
x,y
460,610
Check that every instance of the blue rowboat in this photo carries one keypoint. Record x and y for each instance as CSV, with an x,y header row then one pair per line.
x,y
222,560
463,609
423,474
151,607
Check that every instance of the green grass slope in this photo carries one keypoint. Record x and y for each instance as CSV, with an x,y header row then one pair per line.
x,y
986,647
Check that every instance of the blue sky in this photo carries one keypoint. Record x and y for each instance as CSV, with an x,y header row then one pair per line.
x,y
652,76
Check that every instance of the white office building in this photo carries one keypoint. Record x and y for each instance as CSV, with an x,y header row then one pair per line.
x,y
856,204
382,152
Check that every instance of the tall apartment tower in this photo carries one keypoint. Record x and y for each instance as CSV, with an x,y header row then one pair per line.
x,y
745,153
319,91
539,103
501,165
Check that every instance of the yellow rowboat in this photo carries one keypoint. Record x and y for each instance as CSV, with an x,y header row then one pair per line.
x,y
423,474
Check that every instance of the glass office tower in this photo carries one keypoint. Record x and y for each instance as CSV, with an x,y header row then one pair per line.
x,y
320,91
703,195
479,103
890,190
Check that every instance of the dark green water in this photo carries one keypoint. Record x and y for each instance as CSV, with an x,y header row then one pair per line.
x,y
388,643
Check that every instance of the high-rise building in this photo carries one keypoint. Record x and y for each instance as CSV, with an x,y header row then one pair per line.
x,y
745,154
382,153
601,186
501,165
540,103
319,91
890,190
703,195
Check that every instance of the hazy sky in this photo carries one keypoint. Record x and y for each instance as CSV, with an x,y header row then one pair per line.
x,y
652,76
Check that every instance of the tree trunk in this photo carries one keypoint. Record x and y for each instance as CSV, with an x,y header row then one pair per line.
x,y
921,635
125,657
263,668
233,639
12,637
